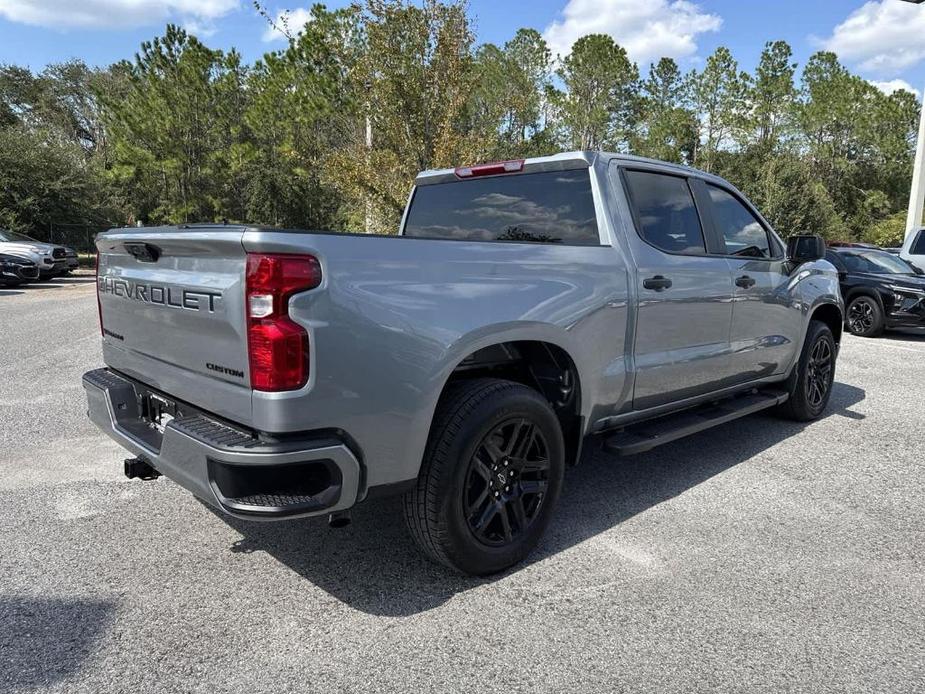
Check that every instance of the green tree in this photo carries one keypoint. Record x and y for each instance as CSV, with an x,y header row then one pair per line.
x,y
858,141
509,112
719,95
44,181
180,112
530,59
786,191
772,95
598,109
302,105
416,76
668,127
831,114
330,131
889,232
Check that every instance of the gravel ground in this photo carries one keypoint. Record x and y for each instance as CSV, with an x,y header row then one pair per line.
x,y
760,556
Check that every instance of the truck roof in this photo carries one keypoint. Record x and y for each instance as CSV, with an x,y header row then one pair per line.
x,y
566,160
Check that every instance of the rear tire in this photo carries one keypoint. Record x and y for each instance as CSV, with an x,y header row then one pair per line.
x,y
865,317
810,385
490,478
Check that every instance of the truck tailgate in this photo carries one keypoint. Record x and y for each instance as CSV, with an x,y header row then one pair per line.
x,y
172,313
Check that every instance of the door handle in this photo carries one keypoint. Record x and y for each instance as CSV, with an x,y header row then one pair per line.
x,y
745,281
658,283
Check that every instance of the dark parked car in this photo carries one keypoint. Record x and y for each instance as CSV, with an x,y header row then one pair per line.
x,y
880,290
15,270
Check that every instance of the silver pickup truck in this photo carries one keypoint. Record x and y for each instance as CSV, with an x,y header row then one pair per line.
x,y
525,308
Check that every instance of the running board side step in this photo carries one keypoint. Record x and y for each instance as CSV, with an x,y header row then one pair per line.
x,y
644,436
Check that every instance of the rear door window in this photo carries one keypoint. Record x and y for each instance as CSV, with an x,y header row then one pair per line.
x,y
665,212
743,233
546,207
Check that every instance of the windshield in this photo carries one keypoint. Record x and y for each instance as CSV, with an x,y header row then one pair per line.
x,y
6,235
877,262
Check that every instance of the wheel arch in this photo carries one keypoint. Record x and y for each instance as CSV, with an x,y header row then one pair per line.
x,y
854,293
545,366
832,316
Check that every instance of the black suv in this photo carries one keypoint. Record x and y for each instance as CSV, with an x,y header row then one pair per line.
x,y
880,290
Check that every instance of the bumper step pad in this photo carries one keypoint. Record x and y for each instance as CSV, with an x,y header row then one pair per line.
x,y
644,436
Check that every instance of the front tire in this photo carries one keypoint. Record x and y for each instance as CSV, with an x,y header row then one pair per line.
x,y
865,317
490,478
810,386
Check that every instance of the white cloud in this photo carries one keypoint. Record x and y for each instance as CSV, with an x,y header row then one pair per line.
x,y
94,14
647,29
881,37
891,86
200,28
291,21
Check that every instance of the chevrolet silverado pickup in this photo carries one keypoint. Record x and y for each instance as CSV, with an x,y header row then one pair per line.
x,y
523,309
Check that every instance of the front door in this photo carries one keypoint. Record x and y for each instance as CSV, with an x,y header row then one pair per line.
x,y
684,296
765,324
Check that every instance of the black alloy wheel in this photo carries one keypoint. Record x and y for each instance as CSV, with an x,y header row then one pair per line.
x,y
865,317
507,480
819,372
812,381
490,478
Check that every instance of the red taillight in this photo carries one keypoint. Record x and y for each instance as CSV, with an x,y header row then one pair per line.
x,y
99,306
277,346
493,169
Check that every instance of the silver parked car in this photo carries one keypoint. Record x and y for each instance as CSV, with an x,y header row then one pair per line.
x,y
51,258
524,307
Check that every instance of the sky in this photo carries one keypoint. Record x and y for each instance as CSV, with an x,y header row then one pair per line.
x,y
880,39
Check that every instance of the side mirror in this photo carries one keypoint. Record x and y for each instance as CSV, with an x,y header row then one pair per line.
x,y
804,248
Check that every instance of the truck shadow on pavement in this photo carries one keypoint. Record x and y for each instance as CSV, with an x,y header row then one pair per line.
x,y
373,566
45,640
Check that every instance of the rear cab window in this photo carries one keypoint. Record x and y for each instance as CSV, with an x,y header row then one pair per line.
x,y
555,207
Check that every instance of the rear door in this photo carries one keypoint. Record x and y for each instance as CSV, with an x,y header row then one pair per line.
x,y
765,325
172,313
684,295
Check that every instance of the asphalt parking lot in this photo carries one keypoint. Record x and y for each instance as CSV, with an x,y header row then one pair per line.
x,y
759,556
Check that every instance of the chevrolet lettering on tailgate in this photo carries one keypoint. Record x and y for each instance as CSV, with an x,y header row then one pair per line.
x,y
173,297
